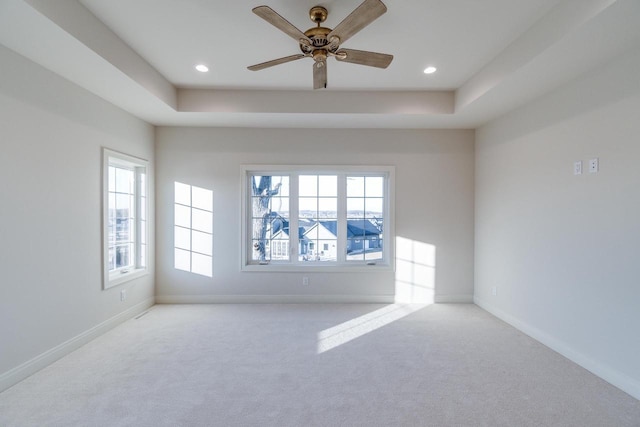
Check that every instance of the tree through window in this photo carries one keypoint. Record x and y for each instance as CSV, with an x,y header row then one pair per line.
x,y
269,217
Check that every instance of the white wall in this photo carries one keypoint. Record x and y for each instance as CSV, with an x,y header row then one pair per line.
x,y
562,250
434,205
51,133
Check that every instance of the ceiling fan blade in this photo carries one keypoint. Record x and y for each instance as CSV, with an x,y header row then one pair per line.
x,y
363,15
270,15
371,59
278,61
319,75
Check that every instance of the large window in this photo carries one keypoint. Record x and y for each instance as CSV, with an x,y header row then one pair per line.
x,y
316,217
124,217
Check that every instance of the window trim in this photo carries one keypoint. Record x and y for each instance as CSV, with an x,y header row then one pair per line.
x,y
386,264
110,279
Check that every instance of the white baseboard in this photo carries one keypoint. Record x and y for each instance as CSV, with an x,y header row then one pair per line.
x,y
273,299
298,299
30,367
453,299
606,372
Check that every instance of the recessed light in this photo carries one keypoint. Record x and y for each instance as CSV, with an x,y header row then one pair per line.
x,y
430,70
202,68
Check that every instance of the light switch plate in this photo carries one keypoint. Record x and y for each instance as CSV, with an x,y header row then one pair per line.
x,y
577,167
594,165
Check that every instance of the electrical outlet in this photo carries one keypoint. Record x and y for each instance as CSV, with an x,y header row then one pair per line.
x,y
494,291
123,295
594,165
305,281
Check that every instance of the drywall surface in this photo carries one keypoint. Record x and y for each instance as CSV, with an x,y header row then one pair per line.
x,y
561,250
433,206
51,134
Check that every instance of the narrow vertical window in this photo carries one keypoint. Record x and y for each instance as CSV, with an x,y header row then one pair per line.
x,y
124,217
365,217
318,217
270,230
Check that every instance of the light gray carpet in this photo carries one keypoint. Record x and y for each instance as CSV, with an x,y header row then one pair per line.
x,y
259,365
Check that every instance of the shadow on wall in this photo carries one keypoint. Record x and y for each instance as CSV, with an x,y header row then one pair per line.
x,y
612,83
193,229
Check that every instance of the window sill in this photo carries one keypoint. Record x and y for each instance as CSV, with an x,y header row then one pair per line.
x,y
119,279
284,268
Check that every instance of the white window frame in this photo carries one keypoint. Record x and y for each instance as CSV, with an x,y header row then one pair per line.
x,y
139,166
341,265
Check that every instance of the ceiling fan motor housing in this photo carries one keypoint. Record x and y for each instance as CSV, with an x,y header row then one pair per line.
x,y
318,37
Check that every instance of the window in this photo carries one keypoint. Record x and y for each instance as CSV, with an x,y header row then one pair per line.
x,y
124,217
365,207
316,217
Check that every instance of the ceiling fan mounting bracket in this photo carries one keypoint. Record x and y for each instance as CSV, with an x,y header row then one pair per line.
x,y
318,14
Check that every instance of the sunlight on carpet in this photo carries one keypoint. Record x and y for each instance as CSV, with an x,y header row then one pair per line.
x,y
355,328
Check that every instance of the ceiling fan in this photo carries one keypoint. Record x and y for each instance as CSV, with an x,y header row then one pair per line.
x,y
321,43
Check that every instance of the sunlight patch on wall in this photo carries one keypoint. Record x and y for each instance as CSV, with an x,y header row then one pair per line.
x,y
415,271
355,328
193,228
415,289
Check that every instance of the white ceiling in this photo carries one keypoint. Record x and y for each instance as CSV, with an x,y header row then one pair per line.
x,y
459,36
492,55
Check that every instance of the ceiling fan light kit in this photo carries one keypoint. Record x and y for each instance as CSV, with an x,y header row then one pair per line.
x,y
320,43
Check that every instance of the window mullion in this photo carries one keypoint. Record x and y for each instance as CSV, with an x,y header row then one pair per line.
x,y
248,217
386,220
293,219
191,228
137,190
342,219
